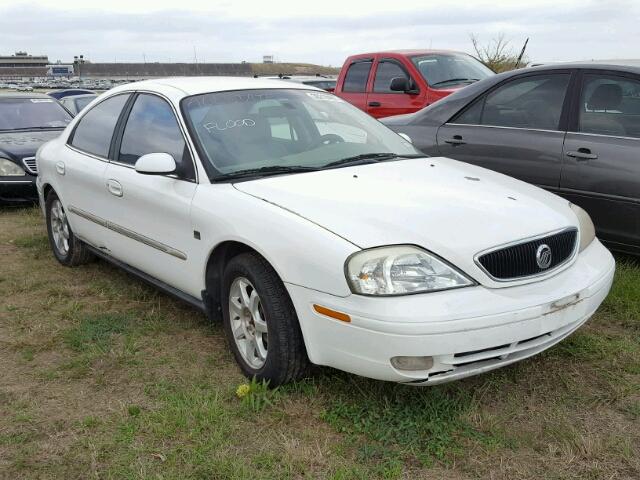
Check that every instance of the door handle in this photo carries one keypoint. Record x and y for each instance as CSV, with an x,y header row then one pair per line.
x,y
114,187
375,104
60,168
582,154
455,140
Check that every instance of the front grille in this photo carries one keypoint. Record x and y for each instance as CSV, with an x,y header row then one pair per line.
x,y
519,261
31,165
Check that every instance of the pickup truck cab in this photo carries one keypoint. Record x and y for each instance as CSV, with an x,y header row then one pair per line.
x,y
404,81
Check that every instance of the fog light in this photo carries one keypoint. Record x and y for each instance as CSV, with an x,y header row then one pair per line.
x,y
412,363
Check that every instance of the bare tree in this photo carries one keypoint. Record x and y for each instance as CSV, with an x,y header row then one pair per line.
x,y
498,54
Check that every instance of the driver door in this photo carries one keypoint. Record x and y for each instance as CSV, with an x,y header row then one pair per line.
x,y
517,129
151,213
384,102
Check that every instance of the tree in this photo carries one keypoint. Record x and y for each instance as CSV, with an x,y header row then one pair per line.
x,y
498,54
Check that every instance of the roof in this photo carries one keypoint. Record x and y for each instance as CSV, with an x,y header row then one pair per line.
x,y
586,65
411,52
23,95
198,85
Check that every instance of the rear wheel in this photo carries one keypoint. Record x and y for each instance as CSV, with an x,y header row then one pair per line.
x,y
260,322
66,247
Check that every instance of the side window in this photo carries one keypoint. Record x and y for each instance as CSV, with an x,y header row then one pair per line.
x,y
610,105
386,71
152,128
356,78
531,102
94,131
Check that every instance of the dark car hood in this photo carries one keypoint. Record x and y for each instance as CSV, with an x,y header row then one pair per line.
x,y
17,145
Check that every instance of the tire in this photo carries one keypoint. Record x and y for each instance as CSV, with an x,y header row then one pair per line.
x,y
285,357
66,247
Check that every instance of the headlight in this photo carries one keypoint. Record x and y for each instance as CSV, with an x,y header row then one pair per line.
x,y
587,230
401,270
10,169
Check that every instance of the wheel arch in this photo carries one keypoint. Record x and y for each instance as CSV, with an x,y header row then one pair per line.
x,y
46,188
218,258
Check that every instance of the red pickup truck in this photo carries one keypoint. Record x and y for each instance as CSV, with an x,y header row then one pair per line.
x,y
404,81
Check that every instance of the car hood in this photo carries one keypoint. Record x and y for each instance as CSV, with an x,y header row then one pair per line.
x,y
448,207
17,145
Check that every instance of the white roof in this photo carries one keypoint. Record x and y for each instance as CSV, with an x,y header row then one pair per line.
x,y
196,85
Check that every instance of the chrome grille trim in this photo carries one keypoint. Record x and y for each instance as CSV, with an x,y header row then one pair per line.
x,y
31,165
576,242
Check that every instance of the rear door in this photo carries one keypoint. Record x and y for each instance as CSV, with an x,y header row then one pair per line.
x,y
517,128
151,213
82,169
356,79
382,101
602,172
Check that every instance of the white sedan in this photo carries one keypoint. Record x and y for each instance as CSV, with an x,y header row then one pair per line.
x,y
316,234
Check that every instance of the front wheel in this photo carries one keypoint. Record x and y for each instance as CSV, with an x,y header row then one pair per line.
x,y
66,247
260,322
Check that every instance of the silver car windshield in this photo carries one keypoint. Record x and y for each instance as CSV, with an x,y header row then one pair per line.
x,y
285,128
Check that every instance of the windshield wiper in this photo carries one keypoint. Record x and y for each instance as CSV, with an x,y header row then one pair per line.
x,y
265,171
365,158
456,80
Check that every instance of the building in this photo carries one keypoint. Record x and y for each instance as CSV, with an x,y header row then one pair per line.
x,y
23,60
60,70
22,66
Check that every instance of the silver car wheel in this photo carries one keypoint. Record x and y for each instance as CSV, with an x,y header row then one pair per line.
x,y
248,324
59,228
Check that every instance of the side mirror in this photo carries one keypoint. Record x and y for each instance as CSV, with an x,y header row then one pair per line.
x,y
156,164
399,84
402,84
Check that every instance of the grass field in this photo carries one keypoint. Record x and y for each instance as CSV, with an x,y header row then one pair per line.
x,y
103,377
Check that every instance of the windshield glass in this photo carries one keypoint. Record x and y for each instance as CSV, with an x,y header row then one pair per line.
x,y
448,70
263,129
32,113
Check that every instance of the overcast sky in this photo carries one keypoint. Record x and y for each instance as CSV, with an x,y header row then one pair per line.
x,y
322,32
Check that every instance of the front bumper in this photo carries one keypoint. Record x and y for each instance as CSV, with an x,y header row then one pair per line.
x,y
17,190
466,331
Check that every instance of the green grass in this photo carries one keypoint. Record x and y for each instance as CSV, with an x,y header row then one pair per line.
x,y
96,331
104,377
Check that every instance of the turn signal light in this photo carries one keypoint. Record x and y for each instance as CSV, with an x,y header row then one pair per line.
x,y
343,317
412,363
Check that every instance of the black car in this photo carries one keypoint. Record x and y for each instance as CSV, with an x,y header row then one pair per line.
x,y
573,129
69,92
26,122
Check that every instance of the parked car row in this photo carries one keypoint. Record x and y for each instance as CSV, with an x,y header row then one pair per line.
x,y
317,234
382,255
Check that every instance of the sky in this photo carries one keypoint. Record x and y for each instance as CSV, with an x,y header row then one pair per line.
x,y
322,32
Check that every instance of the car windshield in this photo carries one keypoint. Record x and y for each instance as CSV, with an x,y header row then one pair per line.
x,y
451,69
276,129
32,113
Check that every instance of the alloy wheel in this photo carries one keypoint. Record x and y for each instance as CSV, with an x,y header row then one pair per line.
x,y
59,228
248,323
